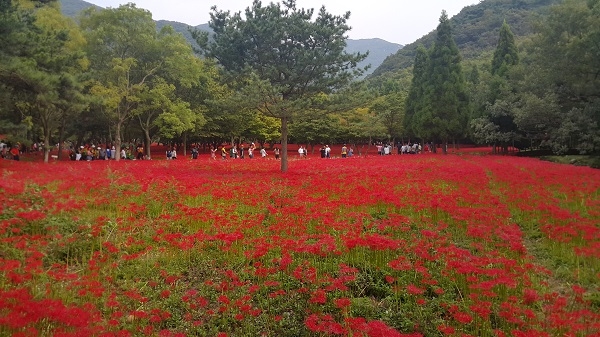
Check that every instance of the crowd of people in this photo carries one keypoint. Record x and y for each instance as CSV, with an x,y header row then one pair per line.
x,y
325,151
91,152
240,151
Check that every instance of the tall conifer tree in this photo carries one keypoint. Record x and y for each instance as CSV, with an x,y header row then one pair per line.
x,y
499,111
416,101
446,117
506,53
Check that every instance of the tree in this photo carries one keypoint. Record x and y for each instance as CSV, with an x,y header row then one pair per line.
x,y
578,130
118,46
175,104
567,45
262,128
448,111
497,125
390,111
538,117
312,128
417,102
365,126
130,61
555,82
506,53
292,56
60,58
41,74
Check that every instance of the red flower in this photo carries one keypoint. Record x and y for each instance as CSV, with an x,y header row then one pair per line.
x,y
319,297
413,290
342,302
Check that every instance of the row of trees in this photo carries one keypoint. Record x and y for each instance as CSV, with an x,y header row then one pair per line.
x,y
113,76
279,72
88,81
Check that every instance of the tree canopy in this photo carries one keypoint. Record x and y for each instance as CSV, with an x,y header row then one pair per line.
x,y
438,103
287,56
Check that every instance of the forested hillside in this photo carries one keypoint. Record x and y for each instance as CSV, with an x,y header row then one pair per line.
x,y
71,8
476,29
183,29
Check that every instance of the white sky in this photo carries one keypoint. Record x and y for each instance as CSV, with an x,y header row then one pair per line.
x,y
399,21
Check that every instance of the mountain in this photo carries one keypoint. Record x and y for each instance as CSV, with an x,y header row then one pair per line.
x,y
475,29
183,28
378,49
71,8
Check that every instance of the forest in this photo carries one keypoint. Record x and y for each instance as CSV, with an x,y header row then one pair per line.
x,y
110,76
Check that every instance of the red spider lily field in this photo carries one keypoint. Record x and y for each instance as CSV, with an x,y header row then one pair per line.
x,y
412,245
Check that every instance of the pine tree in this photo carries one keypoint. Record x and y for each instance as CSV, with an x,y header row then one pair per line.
x,y
287,56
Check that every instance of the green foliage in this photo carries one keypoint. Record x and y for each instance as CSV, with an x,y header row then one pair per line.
x,y
438,105
139,72
506,52
390,111
288,55
416,102
263,128
536,116
496,124
41,67
313,128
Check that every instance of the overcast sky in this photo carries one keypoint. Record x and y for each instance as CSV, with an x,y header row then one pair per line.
x,y
399,21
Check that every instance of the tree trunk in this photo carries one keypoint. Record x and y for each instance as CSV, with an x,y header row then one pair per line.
x,y
110,133
148,142
46,130
284,144
184,145
61,134
46,146
118,141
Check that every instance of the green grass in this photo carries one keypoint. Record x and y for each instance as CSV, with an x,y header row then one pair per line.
x,y
578,160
